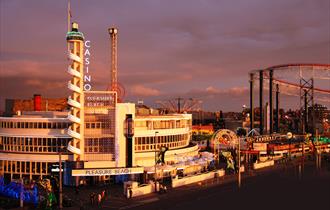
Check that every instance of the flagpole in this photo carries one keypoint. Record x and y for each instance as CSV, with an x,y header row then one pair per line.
x,y
69,15
69,23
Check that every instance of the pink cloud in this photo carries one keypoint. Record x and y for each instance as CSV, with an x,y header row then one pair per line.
x,y
140,90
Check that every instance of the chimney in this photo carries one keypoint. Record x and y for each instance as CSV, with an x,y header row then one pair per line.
x,y
37,102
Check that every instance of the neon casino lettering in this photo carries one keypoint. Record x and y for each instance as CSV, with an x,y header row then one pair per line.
x,y
87,76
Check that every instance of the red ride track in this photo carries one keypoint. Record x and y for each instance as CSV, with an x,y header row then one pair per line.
x,y
298,65
279,68
299,86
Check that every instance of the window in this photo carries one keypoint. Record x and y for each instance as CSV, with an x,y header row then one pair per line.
x,y
157,124
149,125
98,125
140,123
103,125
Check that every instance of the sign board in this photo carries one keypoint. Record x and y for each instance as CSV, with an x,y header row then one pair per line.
x,y
260,146
107,171
100,99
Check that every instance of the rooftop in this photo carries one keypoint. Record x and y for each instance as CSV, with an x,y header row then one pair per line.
x,y
42,114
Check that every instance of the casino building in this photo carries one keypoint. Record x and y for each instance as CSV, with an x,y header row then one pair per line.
x,y
96,137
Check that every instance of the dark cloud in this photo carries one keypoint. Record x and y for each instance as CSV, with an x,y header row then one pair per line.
x,y
166,48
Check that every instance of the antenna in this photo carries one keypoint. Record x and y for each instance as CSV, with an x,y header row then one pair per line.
x,y
69,23
69,15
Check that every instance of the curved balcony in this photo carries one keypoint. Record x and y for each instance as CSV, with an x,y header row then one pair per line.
x,y
74,87
74,103
75,57
74,119
74,134
73,149
73,72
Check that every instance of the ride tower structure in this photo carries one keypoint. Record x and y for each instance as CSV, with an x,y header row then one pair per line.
x,y
75,40
113,32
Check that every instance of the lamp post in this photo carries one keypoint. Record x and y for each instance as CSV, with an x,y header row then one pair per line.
x,y
156,144
60,178
239,148
239,162
215,144
243,116
21,201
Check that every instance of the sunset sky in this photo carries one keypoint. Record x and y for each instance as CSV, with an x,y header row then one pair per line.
x,y
167,48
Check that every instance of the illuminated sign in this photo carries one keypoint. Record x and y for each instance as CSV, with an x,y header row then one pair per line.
x,y
87,76
107,171
260,146
97,99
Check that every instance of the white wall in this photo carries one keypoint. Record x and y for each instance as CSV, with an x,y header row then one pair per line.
x,y
122,109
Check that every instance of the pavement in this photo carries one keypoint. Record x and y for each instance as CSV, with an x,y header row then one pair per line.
x,y
116,199
183,196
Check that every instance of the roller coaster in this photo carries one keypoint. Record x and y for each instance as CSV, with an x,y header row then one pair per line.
x,y
308,82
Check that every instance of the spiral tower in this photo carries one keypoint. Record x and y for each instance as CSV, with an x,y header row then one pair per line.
x,y
75,40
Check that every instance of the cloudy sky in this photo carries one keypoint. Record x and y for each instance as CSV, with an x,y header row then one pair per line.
x,y
167,48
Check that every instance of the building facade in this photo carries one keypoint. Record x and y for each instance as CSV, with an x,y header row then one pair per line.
x,y
96,137
30,143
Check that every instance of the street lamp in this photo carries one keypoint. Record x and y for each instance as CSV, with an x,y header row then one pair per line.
x,y
239,162
215,145
60,177
156,144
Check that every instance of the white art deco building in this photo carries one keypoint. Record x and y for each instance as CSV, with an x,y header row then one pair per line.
x,y
97,137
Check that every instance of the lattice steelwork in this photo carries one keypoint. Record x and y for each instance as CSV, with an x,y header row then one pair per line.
x,y
100,125
306,101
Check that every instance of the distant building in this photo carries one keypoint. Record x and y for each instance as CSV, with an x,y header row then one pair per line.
x,y
37,103
202,129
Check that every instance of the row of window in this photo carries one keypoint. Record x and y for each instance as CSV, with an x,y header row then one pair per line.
x,y
160,139
170,141
163,124
25,167
100,145
152,147
34,125
24,144
98,125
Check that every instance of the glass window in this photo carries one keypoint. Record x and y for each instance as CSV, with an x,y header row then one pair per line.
x,y
98,125
149,124
157,124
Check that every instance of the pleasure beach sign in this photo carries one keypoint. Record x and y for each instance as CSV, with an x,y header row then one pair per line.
x,y
107,171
